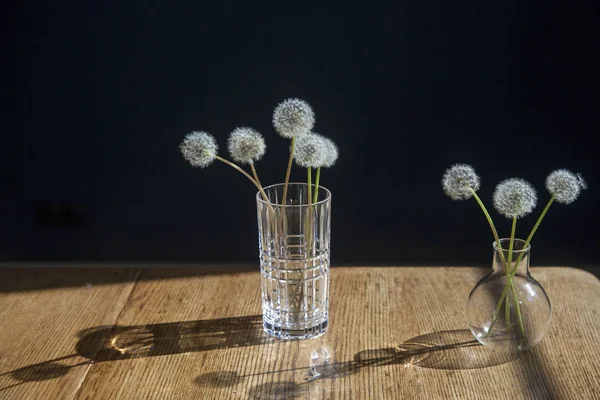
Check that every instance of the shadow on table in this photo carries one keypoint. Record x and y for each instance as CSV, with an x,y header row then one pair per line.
x,y
449,350
112,343
124,342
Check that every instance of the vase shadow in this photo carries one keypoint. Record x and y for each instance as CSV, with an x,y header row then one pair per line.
x,y
449,350
120,342
452,350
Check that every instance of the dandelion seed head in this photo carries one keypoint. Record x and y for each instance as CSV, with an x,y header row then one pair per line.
x,y
459,180
199,148
246,145
293,118
310,150
564,185
514,198
331,153
582,182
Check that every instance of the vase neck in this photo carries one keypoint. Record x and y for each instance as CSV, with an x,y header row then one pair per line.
x,y
515,261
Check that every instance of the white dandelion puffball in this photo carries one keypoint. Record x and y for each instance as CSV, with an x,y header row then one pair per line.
x,y
246,145
199,148
331,153
293,117
310,150
514,198
564,185
459,180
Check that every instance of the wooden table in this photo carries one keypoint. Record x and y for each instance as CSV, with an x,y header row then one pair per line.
x,y
187,333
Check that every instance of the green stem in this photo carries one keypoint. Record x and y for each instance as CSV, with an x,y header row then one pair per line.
x,y
309,225
317,178
518,307
497,311
511,243
533,230
500,251
510,284
240,170
510,277
507,311
288,171
309,169
494,231
260,187
264,195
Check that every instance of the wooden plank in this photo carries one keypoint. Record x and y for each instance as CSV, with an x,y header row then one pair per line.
x,y
172,329
394,333
40,328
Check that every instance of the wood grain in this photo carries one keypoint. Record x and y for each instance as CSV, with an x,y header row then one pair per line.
x,y
40,328
394,333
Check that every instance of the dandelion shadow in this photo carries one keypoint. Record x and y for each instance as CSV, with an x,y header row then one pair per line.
x,y
112,343
449,350
219,379
452,350
43,371
136,341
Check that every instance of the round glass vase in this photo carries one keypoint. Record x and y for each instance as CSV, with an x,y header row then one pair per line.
x,y
293,241
508,309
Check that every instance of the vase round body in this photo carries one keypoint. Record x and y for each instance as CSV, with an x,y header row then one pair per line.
x,y
508,309
293,241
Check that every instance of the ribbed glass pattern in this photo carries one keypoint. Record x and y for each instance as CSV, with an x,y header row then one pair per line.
x,y
294,261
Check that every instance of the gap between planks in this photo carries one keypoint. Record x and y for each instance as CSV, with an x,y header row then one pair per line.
x,y
136,280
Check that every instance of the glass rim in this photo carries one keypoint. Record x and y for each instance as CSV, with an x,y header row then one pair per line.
x,y
262,201
507,240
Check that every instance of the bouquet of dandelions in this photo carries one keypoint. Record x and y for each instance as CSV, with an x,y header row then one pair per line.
x,y
513,198
293,119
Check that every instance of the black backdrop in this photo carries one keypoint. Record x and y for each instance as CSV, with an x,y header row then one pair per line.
x,y
98,94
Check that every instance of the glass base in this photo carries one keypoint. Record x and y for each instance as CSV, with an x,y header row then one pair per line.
x,y
295,334
499,340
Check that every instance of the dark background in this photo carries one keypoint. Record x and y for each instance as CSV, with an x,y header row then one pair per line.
x,y
97,96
